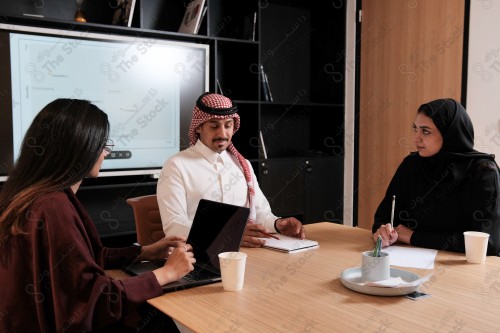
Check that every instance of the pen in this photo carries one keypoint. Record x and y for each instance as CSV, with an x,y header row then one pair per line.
x,y
392,210
268,234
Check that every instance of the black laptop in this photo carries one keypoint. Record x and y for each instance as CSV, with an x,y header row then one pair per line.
x,y
217,227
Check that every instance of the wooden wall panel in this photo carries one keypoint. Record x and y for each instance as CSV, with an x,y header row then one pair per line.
x,y
411,53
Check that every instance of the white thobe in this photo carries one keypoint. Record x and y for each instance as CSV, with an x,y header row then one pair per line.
x,y
200,173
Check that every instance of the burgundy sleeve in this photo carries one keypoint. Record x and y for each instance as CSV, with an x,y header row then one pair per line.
x,y
76,290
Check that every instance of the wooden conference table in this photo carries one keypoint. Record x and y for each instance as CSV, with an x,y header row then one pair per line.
x,y
302,292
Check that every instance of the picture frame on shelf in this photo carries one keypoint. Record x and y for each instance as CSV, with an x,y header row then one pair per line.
x,y
124,11
192,19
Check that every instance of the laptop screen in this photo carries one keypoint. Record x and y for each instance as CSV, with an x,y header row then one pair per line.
x,y
217,227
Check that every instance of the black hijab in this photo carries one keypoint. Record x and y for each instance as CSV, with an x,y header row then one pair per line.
x,y
457,154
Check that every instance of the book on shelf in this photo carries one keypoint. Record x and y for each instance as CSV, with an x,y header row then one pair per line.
x,y
250,26
289,244
203,14
265,88
254,27
268,88
124,12
263,149
192,17
219,88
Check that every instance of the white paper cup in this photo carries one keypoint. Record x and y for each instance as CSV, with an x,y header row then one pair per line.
x,y
232,267
476,244
375,268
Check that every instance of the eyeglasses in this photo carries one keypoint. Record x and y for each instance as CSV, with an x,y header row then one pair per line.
x,y
108,147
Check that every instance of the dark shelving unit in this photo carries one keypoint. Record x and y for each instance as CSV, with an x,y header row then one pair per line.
x,y
300,44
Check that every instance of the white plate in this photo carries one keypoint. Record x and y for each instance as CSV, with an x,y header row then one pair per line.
x,y
351,278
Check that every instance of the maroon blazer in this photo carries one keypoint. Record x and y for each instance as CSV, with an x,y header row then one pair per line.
x,y
53,277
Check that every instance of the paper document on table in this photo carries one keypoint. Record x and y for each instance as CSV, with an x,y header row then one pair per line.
x,y
289,244
411,256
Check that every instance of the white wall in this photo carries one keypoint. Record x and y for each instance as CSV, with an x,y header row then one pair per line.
x,y
483,82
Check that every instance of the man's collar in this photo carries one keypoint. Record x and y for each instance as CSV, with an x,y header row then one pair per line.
x,y
210,155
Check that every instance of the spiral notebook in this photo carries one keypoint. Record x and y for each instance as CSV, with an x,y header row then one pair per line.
x,y
290,244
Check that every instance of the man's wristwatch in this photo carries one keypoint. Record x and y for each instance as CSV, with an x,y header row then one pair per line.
x,y
276,227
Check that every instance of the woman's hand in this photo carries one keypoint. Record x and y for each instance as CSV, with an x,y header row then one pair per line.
x,y
389,235
179,263
162,248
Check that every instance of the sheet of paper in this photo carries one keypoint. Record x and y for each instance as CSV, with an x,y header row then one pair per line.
x,y
411,256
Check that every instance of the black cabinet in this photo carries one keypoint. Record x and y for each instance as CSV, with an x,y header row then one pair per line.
x,y
282,181
105,202
302,51
324,189
310,189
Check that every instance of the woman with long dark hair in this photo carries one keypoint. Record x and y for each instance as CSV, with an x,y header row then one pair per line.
x,y
51,258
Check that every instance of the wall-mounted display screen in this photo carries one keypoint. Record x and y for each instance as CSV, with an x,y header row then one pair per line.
x,y
146,86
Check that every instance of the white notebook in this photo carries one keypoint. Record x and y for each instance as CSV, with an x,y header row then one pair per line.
x,y
290,244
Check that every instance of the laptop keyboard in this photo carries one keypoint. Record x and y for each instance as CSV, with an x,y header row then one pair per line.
x,y
199,273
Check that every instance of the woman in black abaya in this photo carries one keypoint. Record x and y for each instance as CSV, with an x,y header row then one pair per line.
x,y
444,188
